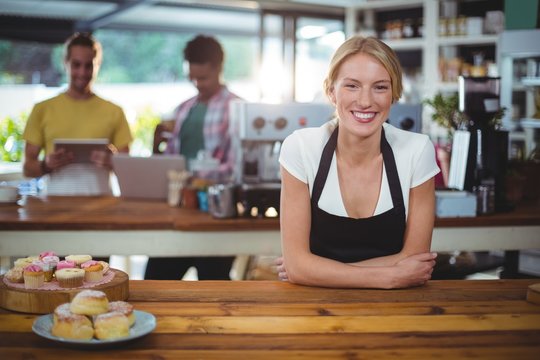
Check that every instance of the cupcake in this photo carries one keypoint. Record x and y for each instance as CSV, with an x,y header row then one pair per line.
x,y
93,271
15,275
105,266
48,270
46,253
78,259
22,262
51,261
64,264
70,278
33,277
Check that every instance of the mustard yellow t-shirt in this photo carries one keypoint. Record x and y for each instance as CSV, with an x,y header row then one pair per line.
x,y
64,117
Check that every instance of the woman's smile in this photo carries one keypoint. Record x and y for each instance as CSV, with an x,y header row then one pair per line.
x,y
363,117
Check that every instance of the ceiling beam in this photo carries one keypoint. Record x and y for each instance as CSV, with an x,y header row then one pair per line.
x,y
102,20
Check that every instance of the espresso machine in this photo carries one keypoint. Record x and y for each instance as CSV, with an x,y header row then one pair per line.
x,y
479,100
257,132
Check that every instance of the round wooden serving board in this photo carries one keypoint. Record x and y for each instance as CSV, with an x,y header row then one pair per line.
x,y
37,301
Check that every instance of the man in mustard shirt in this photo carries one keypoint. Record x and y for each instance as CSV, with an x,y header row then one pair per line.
x,y
77,113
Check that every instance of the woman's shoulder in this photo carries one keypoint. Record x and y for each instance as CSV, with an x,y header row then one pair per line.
x,y
307,142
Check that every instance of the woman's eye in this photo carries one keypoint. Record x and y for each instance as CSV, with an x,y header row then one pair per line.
x,y
351,86
381,87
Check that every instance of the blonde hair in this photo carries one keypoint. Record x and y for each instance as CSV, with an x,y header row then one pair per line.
x,y
370,46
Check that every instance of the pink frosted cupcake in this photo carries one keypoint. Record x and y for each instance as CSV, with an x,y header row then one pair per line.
x,y
48,270
65,264
33,277
93,271
46,253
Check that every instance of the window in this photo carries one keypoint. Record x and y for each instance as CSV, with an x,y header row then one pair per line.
x,y
296,52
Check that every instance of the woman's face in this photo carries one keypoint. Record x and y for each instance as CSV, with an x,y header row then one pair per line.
x,y
362,94
82,68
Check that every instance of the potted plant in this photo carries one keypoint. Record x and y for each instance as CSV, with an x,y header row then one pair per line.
x,y
446,113
12,144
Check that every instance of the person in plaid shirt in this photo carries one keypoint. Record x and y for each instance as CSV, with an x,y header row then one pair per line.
x,y
201,124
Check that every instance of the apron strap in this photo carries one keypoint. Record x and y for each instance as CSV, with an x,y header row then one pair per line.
x,y
324,166
391,172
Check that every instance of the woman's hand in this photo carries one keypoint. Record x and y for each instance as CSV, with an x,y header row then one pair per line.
x,y
414,270
282,271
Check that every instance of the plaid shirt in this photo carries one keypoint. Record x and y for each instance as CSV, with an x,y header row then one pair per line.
x,y
217,140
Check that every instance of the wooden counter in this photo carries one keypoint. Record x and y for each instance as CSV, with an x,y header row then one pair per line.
x,y
473,319
102,226
113,213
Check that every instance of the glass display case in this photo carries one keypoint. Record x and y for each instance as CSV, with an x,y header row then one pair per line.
x,y
519,59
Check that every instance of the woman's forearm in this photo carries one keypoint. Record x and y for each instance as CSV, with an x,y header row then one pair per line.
x,y
318,271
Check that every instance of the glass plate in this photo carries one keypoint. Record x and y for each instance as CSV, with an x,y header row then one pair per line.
x,y
145,323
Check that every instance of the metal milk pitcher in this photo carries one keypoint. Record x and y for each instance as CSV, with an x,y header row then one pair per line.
x,y
222,200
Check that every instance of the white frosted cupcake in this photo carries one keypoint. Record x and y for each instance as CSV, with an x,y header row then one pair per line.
x,y
70,278
105,266
78,259
23,262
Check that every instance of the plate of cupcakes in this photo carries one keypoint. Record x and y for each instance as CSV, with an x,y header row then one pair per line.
x,y
91,320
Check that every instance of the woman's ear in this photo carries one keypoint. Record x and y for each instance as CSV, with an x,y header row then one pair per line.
x,y
331,95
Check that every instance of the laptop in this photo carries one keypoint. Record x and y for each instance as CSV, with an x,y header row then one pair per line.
x,y
145,177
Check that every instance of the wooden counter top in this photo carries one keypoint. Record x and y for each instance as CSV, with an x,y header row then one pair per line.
x,y
102,226
112,213
475,319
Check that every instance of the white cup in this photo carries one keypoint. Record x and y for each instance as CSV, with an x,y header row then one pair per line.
x,y
8,193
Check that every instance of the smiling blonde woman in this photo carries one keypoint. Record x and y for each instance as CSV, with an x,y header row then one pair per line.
x,y
357,198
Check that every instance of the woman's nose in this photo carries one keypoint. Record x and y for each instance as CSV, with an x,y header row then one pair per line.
x,y
364,98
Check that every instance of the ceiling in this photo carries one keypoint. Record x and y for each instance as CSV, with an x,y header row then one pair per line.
x,y
52,21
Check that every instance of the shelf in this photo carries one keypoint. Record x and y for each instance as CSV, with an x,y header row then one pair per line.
x,y
530,81
406,44
388,4
468,40
517,136
530,123
518,86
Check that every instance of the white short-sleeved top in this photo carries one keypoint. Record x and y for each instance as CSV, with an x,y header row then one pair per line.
x,y
414,154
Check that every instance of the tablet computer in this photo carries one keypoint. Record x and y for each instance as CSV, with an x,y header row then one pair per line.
x,y
81,148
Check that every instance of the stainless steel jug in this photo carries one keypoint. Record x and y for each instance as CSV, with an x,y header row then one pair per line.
x,y
222,200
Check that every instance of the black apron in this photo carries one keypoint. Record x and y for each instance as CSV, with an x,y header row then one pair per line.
x,y
347,239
